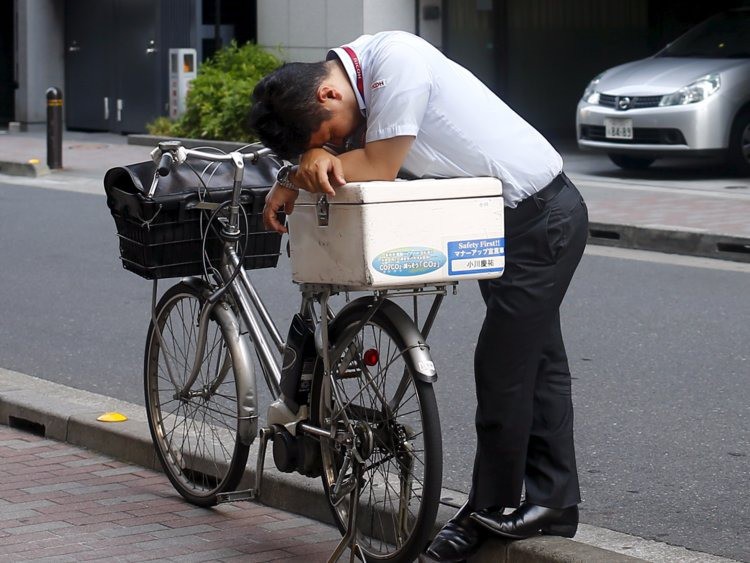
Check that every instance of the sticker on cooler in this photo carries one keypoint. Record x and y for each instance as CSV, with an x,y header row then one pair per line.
x,y
477,256
409,261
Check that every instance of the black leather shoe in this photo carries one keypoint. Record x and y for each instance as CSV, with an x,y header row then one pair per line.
x,y
530,520
458,539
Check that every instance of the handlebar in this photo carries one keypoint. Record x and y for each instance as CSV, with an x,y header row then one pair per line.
x,y
167,153
253,156
165,163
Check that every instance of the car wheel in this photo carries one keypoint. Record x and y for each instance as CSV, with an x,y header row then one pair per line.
x,y
739,144
631,162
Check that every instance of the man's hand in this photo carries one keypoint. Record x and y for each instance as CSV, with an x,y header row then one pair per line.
x,y
277,199
319,171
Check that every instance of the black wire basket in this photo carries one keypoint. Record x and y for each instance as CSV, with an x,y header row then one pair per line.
x,y
162,236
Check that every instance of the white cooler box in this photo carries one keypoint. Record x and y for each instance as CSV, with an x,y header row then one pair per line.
x,y
402,233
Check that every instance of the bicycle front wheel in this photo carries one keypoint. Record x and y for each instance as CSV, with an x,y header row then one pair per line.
x,y
394,419
194,425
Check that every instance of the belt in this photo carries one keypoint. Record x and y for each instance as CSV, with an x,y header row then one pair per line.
x,y
535,203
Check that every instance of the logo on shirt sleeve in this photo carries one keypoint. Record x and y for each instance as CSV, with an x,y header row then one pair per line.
x,y
377,84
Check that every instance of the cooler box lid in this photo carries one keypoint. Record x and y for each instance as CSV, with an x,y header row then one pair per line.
x,y
408,190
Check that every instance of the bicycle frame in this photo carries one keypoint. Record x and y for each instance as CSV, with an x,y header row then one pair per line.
x,y
239,307
254,314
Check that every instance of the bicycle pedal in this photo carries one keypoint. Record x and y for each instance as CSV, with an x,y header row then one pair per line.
x,y
237,496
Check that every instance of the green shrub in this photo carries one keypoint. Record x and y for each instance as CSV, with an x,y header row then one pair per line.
x,y
161,126
219,97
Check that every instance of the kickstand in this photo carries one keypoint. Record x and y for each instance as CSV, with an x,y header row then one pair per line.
x,y
350,538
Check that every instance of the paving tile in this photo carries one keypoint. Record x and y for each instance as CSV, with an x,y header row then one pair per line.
x,y
176,542
272,555
34,528
10,513
184,531
219,554
21,444
10,542
127,499
76,505
286,524
113,553
117,471
133,530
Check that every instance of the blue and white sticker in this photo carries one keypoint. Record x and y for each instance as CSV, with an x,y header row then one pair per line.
x,y
409,261
478,256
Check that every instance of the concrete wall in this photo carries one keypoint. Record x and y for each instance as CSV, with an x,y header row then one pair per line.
x,y
39,55
304,30
384,15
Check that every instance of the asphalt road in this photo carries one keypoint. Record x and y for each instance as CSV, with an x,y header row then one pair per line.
x,y
658,346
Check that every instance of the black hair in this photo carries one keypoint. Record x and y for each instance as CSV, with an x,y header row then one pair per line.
x,y
285,111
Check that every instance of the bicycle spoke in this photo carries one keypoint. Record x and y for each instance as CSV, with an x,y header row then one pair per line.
x,y
195,428
383,397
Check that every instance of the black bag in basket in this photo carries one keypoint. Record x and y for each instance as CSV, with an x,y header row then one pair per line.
x,y
160,237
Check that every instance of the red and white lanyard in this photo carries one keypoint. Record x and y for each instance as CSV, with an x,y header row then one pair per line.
x,y
358,72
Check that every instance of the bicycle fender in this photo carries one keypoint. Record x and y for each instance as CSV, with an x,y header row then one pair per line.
x,y
417,353
244,372
197,284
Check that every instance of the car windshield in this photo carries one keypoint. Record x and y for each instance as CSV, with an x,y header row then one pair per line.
x,y
724,36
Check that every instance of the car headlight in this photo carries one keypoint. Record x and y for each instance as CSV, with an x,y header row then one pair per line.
x,y
695,92
590,95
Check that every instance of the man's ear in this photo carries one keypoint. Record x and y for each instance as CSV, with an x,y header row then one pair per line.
x,y
327,92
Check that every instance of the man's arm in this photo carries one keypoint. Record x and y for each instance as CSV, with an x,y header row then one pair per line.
x,y
278,199
320,171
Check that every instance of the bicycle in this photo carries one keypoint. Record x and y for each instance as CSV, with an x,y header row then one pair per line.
x,y
366,418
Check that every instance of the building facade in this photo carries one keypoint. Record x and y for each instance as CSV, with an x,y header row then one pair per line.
x,y
110,56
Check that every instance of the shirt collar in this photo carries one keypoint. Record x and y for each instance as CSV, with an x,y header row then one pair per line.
x,y
351,72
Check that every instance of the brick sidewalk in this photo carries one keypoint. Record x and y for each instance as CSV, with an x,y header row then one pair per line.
x,y
63,503
668,210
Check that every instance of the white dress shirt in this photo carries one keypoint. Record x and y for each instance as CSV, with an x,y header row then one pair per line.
x,y
461,128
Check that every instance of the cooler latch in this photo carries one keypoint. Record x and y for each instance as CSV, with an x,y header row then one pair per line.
x,y
322,209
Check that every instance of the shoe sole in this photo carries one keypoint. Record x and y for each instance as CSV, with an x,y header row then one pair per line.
x,y
435,557
561,530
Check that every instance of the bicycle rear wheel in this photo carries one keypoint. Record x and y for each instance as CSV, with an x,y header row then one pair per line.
x,y
195,430
397,426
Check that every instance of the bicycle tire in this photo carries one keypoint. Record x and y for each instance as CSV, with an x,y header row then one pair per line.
x,y
196,437
380,535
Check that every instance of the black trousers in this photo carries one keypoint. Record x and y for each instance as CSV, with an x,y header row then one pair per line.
x,y
524,417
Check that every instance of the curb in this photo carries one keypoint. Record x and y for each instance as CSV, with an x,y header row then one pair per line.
x,y
683,241
66,414
30,169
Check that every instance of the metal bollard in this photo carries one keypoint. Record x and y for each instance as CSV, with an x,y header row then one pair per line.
x,y
54,128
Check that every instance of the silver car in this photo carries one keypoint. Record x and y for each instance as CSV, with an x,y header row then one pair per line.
x,y
690,99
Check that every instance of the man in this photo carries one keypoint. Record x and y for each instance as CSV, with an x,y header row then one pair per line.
x,y
406,106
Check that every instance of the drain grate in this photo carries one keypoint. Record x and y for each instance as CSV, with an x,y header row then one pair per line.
x,y
605,234
27,426
733,247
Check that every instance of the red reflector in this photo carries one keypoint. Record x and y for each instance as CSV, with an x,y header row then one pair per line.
x,y
371,357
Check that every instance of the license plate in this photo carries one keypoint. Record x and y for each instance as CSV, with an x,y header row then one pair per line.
x,y
618,128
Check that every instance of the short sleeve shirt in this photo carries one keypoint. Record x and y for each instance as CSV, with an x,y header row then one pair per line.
x,y
405,86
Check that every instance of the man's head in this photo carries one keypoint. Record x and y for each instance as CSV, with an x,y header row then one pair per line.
x,y
304,105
